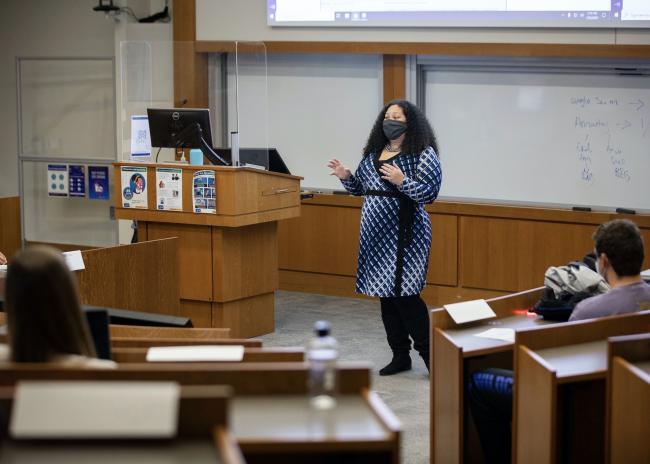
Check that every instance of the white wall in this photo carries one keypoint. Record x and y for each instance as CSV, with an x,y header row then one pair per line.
x,y
41,28
246,20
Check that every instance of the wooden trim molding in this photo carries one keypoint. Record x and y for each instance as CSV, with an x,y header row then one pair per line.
x,y
10,229
394,77
190,66
445,48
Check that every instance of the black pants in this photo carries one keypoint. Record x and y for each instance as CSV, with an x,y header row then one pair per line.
x,y
404,316
489,394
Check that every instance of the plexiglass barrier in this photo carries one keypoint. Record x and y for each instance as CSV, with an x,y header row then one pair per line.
x,y
66,121
237,98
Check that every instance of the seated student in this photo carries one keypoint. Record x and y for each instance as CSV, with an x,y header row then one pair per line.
x,y
44,318
619,250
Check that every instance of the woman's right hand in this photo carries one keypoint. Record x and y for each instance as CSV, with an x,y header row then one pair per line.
x,y
338,169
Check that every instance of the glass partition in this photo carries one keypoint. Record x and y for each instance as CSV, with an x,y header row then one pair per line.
x,y
248,119
66,125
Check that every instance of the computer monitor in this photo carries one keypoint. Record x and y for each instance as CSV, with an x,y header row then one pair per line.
x,y
98,324
268,158
183,128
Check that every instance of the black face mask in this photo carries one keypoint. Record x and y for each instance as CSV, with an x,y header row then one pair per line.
x,y
393,129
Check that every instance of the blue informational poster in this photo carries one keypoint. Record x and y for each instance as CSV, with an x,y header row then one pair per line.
x,y
98,182
57,180
77,180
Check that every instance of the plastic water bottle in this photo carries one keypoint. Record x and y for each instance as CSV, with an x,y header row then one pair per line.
x,y
322,353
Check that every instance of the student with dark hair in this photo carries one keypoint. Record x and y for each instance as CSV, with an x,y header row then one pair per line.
x,y
44,318
399,173
619,252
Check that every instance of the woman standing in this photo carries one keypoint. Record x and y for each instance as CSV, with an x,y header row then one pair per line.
x,y
399,173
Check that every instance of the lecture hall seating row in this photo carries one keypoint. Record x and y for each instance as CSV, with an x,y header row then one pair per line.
x,y
560,395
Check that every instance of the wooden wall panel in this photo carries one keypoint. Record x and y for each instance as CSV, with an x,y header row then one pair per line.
x,y
323,239
478,251
195,267
10,230
443,258
512,255
243,258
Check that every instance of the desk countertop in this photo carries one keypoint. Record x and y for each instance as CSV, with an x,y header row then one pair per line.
x,y
180,452
290,419
475,346
644,367
577,362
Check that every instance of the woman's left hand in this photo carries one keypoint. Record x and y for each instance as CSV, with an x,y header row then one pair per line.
x,y
392,173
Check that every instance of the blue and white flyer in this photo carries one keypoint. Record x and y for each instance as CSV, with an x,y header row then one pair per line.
x,y
169,189
204,199
57,180
98,183
134,187
77,180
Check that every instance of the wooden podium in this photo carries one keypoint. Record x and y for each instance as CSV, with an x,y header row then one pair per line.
x,y
228,259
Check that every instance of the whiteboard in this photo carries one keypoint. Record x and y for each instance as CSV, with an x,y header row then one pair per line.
x,y
556,138
318,107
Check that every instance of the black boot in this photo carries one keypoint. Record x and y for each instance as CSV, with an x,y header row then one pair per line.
x,y
401,362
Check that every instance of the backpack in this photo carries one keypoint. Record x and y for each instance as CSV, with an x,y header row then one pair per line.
x,y
566,286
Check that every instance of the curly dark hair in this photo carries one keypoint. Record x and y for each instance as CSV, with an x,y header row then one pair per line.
x,y
621,241
419,134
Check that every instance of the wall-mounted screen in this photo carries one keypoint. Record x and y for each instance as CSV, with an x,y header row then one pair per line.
x,y
460,13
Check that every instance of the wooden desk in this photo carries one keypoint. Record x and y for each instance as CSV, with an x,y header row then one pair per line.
x,y
173,452
559,395
286,354
243,378
138,277
286,429
228,260
146,342
118,330
456,351
628,389
202,437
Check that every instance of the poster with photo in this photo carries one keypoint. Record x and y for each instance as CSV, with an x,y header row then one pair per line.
x,y
204,198
77,180
134,187
98,183
169,189
57,180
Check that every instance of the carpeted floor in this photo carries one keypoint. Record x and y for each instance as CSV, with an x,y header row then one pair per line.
x,y
356,324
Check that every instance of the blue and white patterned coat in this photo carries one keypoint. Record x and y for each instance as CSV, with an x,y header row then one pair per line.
x,y
378,246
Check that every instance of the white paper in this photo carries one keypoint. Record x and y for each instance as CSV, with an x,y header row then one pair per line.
x,y
74,260
505,334
3,268
645,274
469,311
140,138
169,189
198,353
134,187
50,410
